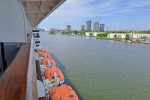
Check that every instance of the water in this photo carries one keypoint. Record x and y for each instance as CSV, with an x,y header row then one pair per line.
x,y
101,69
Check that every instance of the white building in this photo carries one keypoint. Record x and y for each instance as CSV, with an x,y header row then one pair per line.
x,y
116,35
122,36
111,35
92,33
46,30
136,36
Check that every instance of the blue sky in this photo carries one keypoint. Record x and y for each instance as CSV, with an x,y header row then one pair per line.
x,y
115,14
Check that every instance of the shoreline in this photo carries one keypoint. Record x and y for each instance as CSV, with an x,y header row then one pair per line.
x,y
123,40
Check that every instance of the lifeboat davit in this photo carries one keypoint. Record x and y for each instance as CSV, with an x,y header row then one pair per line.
x,y
63,92
50,62
53,74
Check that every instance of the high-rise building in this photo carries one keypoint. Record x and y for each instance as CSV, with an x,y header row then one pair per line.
x,y
88,25
96,26
83,27
68,27
102,27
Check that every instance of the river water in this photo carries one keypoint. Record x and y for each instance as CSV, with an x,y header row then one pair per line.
x,y
102,69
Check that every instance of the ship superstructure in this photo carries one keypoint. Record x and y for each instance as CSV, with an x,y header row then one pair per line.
x,y
18,63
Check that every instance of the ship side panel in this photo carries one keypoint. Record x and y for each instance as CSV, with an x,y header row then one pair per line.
x,y
14,25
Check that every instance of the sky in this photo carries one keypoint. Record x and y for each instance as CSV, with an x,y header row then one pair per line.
x,y
115,14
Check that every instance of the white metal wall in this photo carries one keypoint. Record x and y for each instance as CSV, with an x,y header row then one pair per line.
x,y
14,25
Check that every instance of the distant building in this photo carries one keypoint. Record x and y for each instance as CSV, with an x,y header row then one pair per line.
x,y
111,35
122,36
102,27
96,26
132,36
46,30
55,30
140,36
83,27
88,25
68,27
116,35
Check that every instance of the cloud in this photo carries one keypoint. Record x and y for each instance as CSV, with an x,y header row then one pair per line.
x,y
73,10
86,8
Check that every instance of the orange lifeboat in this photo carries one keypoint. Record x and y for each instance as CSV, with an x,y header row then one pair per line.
x,y
43,50
52,62
48,56
45,55
63,92
46,61
51,72
42,55
40,50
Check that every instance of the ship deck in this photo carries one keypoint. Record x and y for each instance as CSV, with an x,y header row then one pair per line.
x,y
13,82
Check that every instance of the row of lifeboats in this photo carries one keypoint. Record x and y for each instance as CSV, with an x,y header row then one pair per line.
x,y
53,79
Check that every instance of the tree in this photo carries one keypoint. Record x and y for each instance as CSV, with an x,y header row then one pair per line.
x,y
51,32
82,32
127,37
104,34
115,36
75,32
91,34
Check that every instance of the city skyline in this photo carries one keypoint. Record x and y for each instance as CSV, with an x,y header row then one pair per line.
x,y
116,14
89,26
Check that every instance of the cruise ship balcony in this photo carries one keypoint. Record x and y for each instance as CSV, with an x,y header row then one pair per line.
x,y
18,77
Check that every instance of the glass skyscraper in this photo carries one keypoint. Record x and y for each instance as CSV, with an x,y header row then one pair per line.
x,y
83,27
96,26
88,25
102,26
68,27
